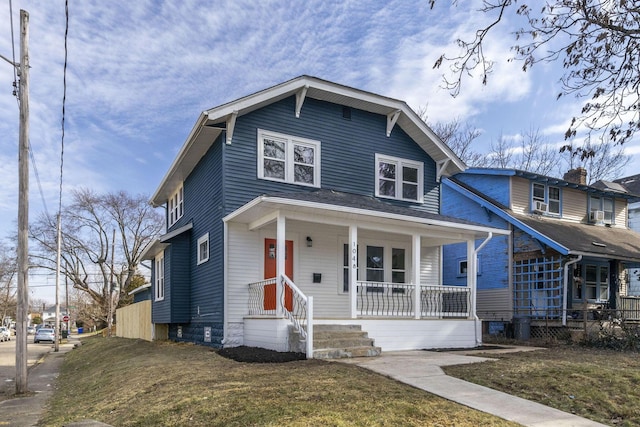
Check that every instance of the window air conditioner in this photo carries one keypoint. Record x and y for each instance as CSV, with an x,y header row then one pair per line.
x,y
539,206
597,216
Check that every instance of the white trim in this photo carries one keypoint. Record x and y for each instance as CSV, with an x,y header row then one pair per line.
x,y
399,178
175,206
290,142
175,232
158,279
203,239
364,212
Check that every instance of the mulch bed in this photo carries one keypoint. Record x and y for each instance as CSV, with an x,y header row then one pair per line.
x,y
259,355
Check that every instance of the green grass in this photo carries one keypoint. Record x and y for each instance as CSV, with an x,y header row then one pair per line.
x,y
597,384
135,383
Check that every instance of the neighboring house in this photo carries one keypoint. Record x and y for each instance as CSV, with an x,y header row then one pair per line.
x,y
569,249
49,314
632,185
311,203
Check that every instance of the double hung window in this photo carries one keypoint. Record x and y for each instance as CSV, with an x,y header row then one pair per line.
x,y
603,204
288,159
399,178
176,206
547,195
159,278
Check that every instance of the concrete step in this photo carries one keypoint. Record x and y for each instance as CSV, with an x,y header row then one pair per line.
x,y
342,341
341,353
324,328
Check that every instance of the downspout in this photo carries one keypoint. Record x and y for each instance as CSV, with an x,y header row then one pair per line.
x,y
474,296
565,288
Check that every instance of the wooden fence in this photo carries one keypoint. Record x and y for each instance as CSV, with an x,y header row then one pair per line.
x,y
134,321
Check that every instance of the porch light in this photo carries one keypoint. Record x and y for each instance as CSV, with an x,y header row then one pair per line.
x,y
309,242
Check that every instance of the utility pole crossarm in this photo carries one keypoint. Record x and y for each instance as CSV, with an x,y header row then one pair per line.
x,y
15,64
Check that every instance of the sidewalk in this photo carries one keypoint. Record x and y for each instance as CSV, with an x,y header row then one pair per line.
x,y
421,369
26,411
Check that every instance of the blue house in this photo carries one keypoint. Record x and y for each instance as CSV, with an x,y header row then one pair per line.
x,y
570,246
311,205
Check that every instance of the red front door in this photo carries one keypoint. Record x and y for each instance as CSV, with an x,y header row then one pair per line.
x,y
270,268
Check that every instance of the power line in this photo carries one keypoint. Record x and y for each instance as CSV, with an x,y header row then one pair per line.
x,y
13,50
64,99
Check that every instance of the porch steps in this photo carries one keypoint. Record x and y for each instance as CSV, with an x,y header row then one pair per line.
x,y
342,341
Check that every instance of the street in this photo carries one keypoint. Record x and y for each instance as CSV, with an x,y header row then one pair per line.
x,y
8,362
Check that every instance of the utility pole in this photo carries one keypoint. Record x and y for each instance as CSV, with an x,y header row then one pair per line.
x,y
23,210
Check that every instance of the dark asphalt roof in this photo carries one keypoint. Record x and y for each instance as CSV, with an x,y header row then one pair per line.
x,y
604,241
357,201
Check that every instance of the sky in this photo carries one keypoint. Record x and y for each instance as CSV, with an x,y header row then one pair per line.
x,y
140,72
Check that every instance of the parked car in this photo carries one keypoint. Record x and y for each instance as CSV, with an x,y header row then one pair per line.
x,y
5,334
44,334
31,330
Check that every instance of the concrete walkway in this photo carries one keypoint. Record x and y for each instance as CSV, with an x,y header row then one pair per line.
x,y
422,369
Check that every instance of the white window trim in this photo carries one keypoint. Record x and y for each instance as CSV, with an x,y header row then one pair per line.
x,y
290,141
600,207
399,162
175,206
388,246
159,278
461,260
201,240
546,198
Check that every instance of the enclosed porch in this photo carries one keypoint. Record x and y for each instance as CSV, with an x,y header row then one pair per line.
x,y
292,265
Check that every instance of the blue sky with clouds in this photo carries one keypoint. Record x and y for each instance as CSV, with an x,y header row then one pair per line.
x,y
140,72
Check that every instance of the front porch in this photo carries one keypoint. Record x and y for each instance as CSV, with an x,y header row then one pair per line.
x,y
314,260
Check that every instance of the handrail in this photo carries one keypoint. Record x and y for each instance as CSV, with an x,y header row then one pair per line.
x,y
296,306
384,299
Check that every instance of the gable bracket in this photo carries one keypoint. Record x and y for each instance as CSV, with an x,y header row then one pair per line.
x,y
441,166
392,118
300,96
231,124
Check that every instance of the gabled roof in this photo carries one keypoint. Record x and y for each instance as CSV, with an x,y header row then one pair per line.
x,y
567,238
631,184
213,122
600,189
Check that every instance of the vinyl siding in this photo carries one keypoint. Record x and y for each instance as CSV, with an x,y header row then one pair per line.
x,y
494,304
203,207
246,264
348,149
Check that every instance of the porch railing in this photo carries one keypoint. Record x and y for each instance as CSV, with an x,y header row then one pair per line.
x,y
294,305
629,307
384,299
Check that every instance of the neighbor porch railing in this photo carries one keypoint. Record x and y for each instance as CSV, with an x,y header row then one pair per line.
x,y
382,299
293,304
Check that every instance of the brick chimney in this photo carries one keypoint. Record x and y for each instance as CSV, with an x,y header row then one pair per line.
x,y
576,176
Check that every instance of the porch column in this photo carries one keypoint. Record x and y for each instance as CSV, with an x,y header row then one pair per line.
x,y
280,262
415,251
472,273
353,270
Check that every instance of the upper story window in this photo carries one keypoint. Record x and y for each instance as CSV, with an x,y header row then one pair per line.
x,y
601,210
288,159
176,206
545,199
399,178
159,278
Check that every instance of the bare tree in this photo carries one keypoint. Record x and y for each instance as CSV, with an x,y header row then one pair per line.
x,y
460,138
103,237
598,43
604,161
8,271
